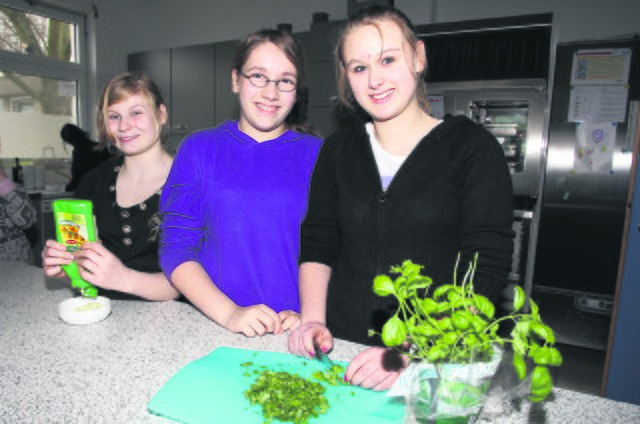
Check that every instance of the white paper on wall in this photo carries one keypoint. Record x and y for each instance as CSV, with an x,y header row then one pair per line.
x,y
603,103
437,106
601,66
595,146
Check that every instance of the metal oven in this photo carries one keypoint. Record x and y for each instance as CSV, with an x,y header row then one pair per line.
x,y
513,110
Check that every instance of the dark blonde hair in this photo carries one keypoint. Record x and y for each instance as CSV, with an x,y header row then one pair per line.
x,y
121,87
374,15
292,50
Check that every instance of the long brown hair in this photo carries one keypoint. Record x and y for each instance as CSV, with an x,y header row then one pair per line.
x,y
373,15
292,50
121,87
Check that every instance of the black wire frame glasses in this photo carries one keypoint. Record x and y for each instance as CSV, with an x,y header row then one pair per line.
x,y
285,85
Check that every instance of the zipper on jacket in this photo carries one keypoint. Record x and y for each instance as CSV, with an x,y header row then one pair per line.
x,y
381,199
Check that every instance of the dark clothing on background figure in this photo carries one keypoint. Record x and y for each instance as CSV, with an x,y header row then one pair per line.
x,y
130,233
16,215
452,194
84,157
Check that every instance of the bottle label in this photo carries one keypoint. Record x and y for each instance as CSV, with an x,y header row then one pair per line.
x,y
73,228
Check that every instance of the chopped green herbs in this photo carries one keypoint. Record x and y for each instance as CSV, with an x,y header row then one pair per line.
x,y
333,377
287,397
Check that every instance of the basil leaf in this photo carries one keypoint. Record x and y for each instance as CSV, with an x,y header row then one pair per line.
x,y
394,332
383,286
518,298
484,305
520,366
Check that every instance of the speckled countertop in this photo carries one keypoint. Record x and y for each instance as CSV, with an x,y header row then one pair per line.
x,y
51,372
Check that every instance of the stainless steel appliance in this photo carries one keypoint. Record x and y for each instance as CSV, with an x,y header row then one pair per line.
x,y
584,202
514,111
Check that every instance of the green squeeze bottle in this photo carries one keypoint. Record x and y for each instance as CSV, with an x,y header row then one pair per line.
x,y
74,226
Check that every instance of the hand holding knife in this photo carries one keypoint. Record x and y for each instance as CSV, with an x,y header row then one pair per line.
x,y
321,356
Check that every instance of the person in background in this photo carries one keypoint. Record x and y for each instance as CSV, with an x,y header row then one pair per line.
x,y
125,192
404,186
86,154
16,216
237,194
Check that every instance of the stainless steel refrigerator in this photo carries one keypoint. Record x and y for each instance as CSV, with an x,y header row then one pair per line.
x,y
585,186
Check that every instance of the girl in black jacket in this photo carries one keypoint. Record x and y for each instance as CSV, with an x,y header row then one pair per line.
x,y
403,186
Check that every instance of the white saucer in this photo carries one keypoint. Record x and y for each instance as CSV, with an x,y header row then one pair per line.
x,y
84,310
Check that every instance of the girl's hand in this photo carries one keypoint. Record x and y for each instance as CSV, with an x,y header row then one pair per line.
x,y
255,320
54,255
290,320
98,266
302,339
376,368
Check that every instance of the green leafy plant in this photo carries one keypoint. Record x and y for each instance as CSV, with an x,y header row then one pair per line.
x,y
457,326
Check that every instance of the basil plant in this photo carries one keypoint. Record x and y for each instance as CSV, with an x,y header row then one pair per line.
x,y
456,325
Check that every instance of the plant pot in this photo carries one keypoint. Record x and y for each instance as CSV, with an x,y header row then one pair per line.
x,y
446,393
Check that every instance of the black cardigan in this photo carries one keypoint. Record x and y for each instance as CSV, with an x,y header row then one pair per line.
x,y
130,233
453,194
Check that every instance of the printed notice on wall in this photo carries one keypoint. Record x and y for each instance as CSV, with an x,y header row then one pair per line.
x,y
599,103
599,85
437,106
595,145
598,67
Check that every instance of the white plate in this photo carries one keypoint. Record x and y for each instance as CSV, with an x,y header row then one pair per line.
x,y
84,310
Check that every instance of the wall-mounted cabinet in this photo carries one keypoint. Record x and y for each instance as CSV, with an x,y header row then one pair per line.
x,y
323,112
226,103
185,77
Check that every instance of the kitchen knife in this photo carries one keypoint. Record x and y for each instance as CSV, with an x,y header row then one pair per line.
x,y
322,357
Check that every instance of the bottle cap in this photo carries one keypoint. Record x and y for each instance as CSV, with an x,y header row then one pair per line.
x,y
86,289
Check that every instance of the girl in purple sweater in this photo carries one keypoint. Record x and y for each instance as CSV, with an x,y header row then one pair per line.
x,y
237,194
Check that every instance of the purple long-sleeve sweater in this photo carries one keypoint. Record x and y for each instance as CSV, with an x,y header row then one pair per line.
x,y
235,206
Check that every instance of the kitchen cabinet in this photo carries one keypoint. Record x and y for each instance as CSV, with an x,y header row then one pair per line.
x,y
184,76
192,90
226,102
156,64
323,111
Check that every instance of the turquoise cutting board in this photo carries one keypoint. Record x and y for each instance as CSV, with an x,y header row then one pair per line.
x,y
211,390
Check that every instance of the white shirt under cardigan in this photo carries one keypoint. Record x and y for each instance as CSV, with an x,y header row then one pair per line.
x,y
388,164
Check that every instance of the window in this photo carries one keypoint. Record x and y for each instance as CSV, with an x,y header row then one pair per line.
x,y
22,104
42,75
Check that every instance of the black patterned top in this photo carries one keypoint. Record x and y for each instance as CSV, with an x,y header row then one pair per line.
x,y
130,233
16,215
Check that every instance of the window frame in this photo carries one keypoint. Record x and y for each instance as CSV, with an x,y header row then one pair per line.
x,y
40,66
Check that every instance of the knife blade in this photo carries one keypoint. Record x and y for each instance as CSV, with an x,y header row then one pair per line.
x,y
322,357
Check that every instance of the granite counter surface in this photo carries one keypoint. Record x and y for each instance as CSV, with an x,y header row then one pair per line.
x,y
51,372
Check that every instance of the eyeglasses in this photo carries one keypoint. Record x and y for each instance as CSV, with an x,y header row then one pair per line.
x,y
259,80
